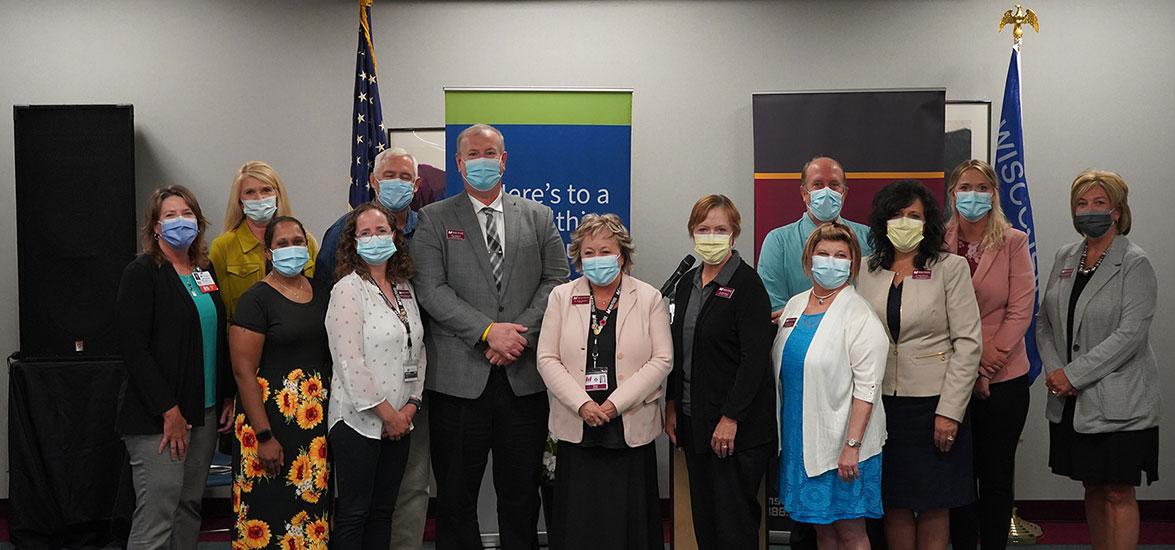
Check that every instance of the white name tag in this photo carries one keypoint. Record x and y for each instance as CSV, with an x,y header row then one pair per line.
x,y
596,381
204,281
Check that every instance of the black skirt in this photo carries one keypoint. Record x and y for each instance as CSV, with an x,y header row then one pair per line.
x,y
915,475
1114,458
606,498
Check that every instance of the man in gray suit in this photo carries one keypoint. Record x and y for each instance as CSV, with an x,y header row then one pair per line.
x,y
486,261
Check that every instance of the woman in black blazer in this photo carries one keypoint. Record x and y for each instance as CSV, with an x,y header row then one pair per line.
x,y
178,387
720,402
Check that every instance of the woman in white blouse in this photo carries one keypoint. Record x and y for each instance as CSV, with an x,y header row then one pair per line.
x,y
376,340
830,356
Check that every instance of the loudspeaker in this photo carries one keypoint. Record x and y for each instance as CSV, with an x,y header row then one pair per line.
x,y
75,224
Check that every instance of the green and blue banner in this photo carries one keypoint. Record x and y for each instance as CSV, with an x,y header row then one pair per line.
x,y
568,149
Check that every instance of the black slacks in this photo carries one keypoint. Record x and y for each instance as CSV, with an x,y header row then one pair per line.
x,y
997,423
463,432
724,492
367,478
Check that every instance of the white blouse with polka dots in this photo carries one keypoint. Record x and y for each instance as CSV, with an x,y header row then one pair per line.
x,y
369,345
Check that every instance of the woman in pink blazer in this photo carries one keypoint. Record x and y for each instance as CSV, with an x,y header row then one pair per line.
x,y
1005,285
604,352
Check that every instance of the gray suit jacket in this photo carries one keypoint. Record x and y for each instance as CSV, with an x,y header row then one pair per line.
x,y
456,287
1113,366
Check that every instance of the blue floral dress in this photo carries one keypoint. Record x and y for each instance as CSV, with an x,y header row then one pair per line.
x,y
824,498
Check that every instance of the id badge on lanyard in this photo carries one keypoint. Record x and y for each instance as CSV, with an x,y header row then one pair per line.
x,y
204,281
596,375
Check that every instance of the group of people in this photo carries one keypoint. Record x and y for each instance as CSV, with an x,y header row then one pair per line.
x,y
883,366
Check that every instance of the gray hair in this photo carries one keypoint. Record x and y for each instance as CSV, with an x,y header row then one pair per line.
x,y
481,128
395,152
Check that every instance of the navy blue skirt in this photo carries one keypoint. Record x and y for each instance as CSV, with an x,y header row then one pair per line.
x,y
915,475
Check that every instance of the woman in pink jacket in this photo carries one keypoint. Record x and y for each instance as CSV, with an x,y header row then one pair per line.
x,y
1005,285
604,352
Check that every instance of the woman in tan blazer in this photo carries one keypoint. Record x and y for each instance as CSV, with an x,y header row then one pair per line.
x,y
604,352
925,300
1005,285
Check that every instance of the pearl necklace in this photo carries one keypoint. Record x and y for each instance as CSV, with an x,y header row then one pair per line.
x,y
820,299
1081,267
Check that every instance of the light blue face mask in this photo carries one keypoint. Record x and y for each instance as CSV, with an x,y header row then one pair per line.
x,y
395,194
825,204
972,205
179,232
260,210
290,260
830,273
375,249
483,173
601,270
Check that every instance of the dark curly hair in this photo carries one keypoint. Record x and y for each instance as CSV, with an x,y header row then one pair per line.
x,y
890,200
347,259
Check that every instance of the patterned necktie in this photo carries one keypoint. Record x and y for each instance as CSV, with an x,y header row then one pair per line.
x,y
493,245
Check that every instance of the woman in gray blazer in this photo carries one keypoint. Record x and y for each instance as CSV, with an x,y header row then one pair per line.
x,y
1093,334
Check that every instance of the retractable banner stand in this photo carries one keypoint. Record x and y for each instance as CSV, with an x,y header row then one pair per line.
x,y
878,136
570,149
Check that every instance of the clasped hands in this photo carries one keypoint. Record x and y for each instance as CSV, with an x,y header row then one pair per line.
x,y
1058,384
598,414
505,343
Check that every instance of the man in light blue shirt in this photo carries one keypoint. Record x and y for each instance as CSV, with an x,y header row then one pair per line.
x,y
822,185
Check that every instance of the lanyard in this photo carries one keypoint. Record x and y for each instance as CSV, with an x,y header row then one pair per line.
x,y
598,324
398,308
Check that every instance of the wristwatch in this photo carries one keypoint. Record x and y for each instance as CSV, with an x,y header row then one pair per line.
x,y
853,443
264,435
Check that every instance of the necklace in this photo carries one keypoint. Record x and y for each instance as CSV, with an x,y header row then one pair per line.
x,y
297,293
820,299
1081,267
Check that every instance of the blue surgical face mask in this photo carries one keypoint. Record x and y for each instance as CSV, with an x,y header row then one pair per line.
x,y
290,260
972,205
375,249
830,273
260,210
483,173
179,232
601,270
824,204
395,194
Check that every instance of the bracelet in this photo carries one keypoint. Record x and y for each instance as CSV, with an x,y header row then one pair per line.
x,y
486,332
264,435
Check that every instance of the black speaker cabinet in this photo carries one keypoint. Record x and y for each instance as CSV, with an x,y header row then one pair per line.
x,y
75,210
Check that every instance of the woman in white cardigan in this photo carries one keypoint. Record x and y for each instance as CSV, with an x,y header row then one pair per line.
x,y
830,356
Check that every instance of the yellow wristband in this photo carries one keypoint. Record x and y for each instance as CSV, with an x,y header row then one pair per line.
x,y
487,332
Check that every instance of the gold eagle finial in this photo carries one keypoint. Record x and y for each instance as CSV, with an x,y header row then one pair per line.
x,y
1018,18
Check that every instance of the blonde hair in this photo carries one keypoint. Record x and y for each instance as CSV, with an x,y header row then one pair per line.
x,y
997,222
608,225
835,232
264,173
707,203
1115,188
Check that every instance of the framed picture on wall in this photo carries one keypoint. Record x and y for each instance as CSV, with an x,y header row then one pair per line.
x,y
968,132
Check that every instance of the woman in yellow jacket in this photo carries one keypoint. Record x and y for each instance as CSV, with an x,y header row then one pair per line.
x,y
257,196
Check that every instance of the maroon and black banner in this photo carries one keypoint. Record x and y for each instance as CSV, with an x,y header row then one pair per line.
x,y
878,137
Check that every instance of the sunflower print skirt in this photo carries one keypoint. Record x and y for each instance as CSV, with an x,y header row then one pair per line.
x,y
288,511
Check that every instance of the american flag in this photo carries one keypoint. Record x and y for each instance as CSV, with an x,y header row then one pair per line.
x,y
368,138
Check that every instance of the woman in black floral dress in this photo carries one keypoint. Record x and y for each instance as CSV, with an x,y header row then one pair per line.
x,y
282,365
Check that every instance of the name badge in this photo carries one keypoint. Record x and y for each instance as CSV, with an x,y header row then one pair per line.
x,y
204,281
580,300
724,292
404,293
412,370
596,381
789,322
921,274
455,235
1066,273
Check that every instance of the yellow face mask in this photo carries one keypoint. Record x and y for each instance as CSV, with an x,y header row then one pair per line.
x,y
712,248
904,233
